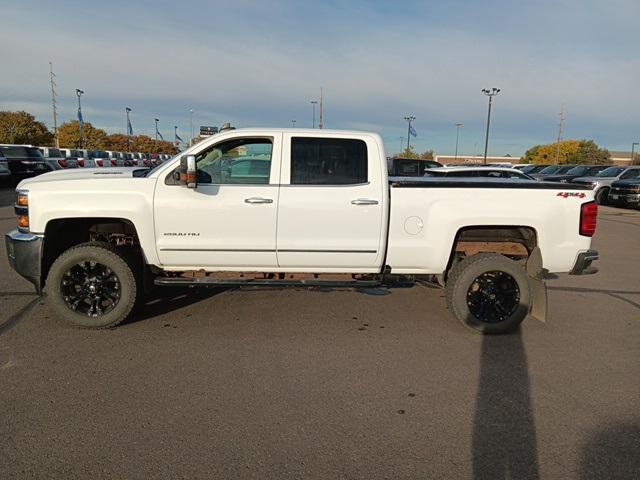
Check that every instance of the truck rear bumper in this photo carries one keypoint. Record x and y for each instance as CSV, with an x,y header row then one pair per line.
x,y
24,251
583,263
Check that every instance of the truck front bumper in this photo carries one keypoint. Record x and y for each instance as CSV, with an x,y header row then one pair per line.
x,y
24,251
583,263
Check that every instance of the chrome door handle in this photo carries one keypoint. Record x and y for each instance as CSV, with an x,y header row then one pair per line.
x,y
364,201
253,200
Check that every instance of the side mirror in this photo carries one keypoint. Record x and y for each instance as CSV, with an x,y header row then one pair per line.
x,y
188,175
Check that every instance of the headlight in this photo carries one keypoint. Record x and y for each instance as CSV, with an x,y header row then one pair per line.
x,y
22,209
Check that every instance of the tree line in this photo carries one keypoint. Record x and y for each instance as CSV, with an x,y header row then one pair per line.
x,y
568,152
23,128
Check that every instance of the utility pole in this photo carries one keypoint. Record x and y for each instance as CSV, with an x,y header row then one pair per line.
x,y
559,134
321,124
80,120
633,147
458,125
127,110
191,126
53,104
314,103
489,93
409,118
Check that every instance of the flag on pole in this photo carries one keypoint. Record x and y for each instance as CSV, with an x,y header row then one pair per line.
x,y
80,121
412,131
129,127
178,139
159,134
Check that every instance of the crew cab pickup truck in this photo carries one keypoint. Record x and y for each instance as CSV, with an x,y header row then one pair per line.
x,y
295,207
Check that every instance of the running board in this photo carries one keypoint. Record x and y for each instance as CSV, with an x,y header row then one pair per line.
x,y
261,282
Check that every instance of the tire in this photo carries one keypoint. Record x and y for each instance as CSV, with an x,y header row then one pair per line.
x,y
480,309
602,196
98,280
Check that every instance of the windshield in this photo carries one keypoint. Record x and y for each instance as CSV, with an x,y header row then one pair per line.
x,y
549,169
610,172
579,171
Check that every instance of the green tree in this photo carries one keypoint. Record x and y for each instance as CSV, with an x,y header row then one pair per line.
x,y
22,127
408,153
426,155
590,154
69,136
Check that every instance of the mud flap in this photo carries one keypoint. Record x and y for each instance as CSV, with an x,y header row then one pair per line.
x,y
535,273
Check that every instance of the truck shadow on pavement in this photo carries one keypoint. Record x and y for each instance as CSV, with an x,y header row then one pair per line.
x,y
504,433
165,300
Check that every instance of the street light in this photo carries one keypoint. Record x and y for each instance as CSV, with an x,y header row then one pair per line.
x,y
80,121
314,103
633,145
129,129
489,93
293,123
458,125
409,118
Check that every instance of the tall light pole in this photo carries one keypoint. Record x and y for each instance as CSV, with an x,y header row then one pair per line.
x,y
458,125
409,118
489,93
127,110
293,123
156,120
80,120
314,103
191,126
633,147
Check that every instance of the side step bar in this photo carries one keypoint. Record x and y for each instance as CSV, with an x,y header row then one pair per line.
x,y
264,282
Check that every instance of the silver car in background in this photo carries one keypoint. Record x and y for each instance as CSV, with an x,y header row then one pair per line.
x,y
601,183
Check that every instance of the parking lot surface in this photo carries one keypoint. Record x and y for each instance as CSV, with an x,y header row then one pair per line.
x,y
248,383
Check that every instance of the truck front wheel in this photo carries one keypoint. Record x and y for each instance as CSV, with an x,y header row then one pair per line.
x,y
92,286
488,293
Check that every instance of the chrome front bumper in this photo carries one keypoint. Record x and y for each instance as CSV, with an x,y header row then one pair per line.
x,y
24,251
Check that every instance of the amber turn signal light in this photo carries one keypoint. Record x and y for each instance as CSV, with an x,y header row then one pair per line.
x,y
22,200
23,221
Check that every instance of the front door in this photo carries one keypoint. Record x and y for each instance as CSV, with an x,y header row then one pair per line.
x,y
229,221
331,212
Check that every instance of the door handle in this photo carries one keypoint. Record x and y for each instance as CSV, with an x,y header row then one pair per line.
x,y
254,200
364,201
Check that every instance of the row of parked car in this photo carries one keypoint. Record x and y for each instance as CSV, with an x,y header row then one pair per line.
x,y
21,161
616,185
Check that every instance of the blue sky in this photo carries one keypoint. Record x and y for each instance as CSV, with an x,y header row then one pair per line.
x,y
260,63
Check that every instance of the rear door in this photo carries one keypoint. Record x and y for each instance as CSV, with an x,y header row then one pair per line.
x,y
331,208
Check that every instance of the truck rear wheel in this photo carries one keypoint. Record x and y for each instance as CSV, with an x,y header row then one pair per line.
x,y
92,286
489,293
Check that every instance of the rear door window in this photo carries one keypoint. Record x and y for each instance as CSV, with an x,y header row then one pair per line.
x,y
328,161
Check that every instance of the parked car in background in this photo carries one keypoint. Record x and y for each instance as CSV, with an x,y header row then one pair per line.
x,y
531,169
477,172
625,193
54,157
410,167
574,172
70,156
601,182
522,166
85,158
24,161
5,173
100,158
551,170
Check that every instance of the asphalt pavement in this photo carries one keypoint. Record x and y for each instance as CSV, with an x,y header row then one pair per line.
x,y
323,384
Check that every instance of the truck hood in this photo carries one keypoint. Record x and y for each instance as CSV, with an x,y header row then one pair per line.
x,y
81,174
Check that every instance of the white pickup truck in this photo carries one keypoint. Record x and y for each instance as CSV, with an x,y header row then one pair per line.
x,y
295,208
